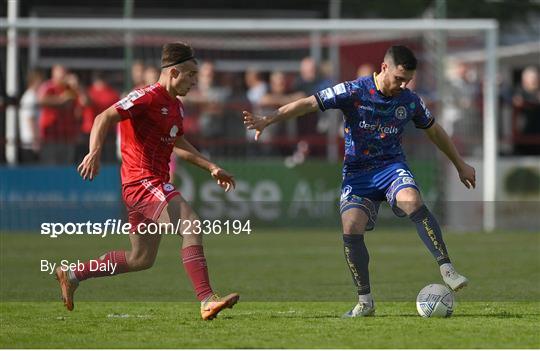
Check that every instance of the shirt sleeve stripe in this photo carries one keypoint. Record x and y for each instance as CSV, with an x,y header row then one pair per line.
x,y
319,101
430,123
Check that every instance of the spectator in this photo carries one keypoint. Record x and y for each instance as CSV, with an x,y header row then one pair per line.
x,y
256,85
308,83
209,98
28,119
365,69
57,122
137,74
526,103
325,119
151,75
461,114
328,76
276,97
100,96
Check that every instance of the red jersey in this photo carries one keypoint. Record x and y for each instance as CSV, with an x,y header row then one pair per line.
x,y
101,97
152,120
57,123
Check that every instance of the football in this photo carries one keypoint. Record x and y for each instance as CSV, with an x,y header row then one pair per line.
x,y
435,300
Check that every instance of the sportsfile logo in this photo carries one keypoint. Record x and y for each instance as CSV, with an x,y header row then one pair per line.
x,y
378,127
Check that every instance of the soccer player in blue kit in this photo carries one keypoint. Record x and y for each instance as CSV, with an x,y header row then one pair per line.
x,y
376,109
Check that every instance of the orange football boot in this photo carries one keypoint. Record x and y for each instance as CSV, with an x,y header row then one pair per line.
x,y
213,304
67,287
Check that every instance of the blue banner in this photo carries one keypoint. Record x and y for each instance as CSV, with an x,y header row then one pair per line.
x,y
30,196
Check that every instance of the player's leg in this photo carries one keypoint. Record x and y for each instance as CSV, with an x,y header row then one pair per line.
x,y
193,258
409,200
142,255
357,214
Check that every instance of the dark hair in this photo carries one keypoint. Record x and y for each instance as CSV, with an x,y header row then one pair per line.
x,y
175,53
401,56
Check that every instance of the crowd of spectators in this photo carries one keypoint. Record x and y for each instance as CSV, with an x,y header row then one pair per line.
x,y
56,115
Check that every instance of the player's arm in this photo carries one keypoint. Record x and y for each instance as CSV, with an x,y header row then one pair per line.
x,y
292,110
189,153
89,167
438,136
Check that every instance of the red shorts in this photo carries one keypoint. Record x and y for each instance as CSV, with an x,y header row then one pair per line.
x,y
145,199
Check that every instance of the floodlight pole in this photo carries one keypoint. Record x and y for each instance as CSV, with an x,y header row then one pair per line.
x,y
490,130
11,83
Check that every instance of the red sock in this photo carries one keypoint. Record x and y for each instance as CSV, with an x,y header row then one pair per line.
x,y
103,266
195,266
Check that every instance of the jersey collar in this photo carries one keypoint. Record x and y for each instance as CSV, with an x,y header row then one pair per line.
x,y
378,88
375,81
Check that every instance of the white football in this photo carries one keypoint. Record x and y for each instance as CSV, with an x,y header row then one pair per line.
x,y
435,300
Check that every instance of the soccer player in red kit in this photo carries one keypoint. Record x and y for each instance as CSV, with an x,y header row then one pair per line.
x,y
151,124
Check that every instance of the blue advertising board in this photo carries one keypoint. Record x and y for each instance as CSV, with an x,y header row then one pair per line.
x,y
30,196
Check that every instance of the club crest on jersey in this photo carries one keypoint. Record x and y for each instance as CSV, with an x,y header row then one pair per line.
x,y
401,112
164,111
167,187
173,131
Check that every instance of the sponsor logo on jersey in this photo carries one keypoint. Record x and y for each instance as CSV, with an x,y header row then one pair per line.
x,y
164,111
339,89
172,135
367,108
379,128
127,102
326,94
401,112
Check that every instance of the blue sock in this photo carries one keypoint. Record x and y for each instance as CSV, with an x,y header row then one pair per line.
x,y
429,231
357,257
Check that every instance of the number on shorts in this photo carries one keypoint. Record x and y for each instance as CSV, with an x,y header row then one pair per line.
x,y
403,172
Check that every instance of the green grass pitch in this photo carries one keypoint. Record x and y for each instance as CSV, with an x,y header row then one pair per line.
x,y
294,286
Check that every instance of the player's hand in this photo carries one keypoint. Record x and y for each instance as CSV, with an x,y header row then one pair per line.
x,y
467,175
89,167
254,122
223,178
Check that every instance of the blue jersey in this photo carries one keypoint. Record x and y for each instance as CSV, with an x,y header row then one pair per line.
x,y
373,122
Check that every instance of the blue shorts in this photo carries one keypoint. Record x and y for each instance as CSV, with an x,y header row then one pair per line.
x,y
367,190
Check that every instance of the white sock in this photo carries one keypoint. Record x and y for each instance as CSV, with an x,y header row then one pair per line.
x,y
367,298
72,277
446,267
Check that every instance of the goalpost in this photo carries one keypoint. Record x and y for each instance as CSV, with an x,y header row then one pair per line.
x,y
322,38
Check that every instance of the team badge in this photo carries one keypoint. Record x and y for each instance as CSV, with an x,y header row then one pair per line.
x,y
401,112
173,131
168,187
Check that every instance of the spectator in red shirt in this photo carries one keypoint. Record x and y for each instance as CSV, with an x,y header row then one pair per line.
x,y
57,120
100,95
